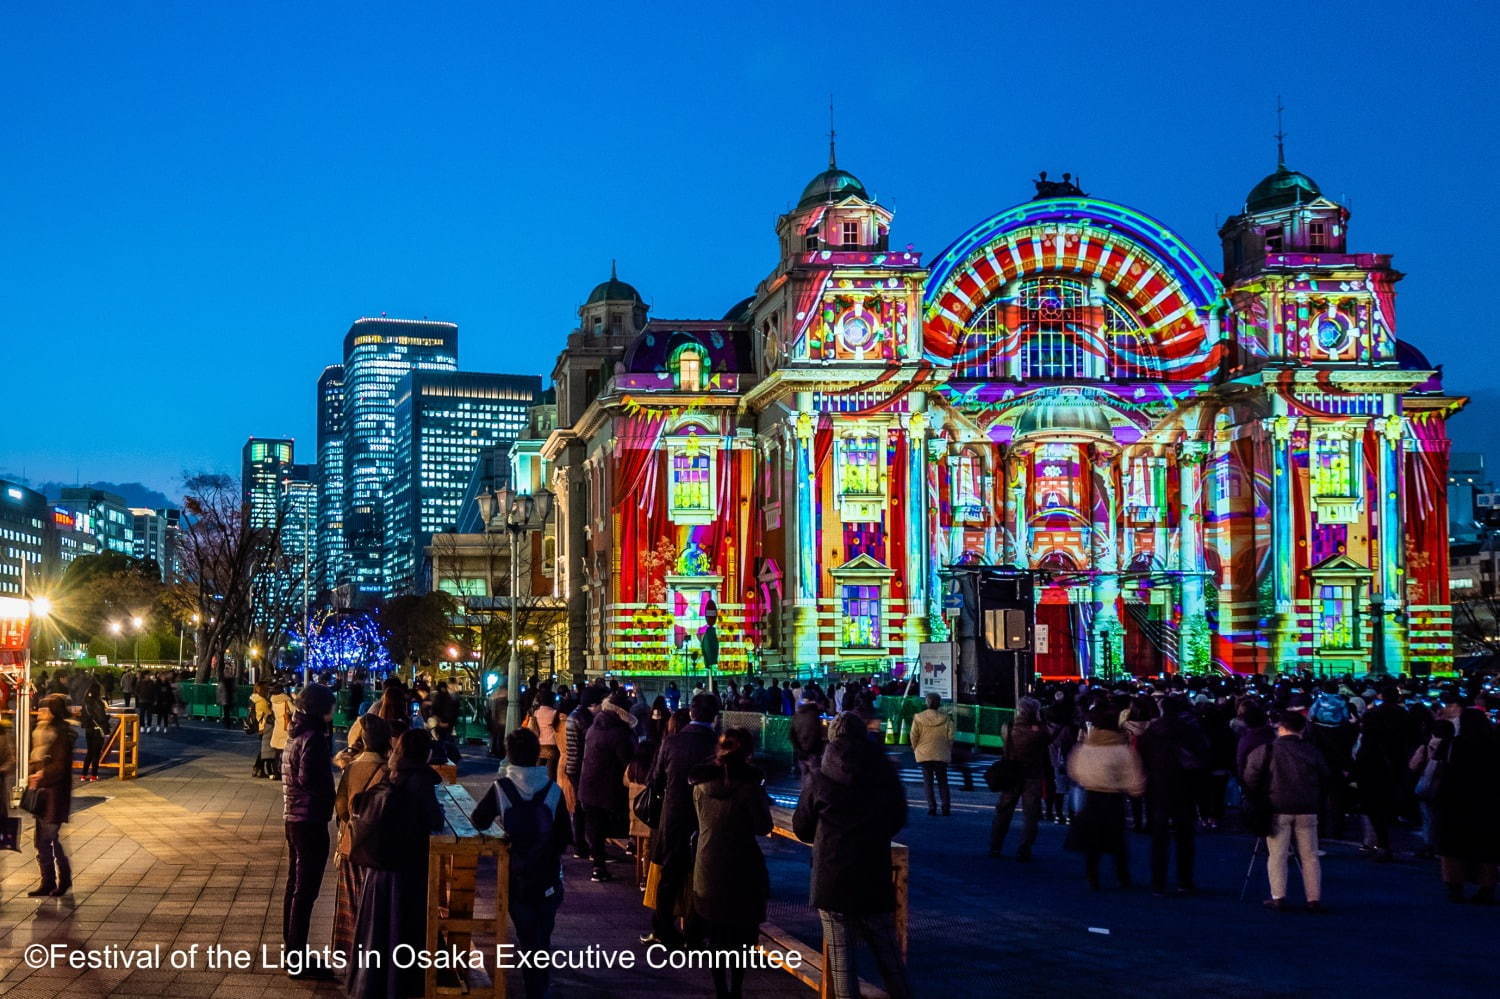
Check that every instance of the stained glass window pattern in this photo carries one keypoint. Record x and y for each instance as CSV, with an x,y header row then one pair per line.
x,y
1055,320
690,482
861,629
1332,466
861,466
1336,616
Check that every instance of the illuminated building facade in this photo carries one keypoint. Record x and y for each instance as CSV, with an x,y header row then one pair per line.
x,y
24,517
330,478
102,514
445,421
1240,471
264,464
156,538
378,354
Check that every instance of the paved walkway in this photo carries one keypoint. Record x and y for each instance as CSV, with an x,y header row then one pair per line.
x,y
192,853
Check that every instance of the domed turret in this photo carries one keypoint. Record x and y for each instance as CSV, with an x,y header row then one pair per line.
x,y
1283,189
613,308
832,184
1063,415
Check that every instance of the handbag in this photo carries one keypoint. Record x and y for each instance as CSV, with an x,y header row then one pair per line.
x,y
646,805
1004,775
31,800
1431,780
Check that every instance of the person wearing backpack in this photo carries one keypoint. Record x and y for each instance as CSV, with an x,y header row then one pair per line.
x,y
528,804
392,823
1290,775
1174,752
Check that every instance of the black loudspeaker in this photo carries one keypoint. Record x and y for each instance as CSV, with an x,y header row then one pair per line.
x,y
995,631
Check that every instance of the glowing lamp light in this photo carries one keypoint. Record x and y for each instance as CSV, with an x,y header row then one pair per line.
x,y
452,652
115,627
41,607
137,623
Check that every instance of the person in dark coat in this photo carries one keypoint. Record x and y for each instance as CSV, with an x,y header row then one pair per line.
x,y
1386,741
575,732
1466,808
672,846
96,726
307,806
1027,741
1174,752
807,736
607,751
392,906
730,880
848,810
52,744
146,701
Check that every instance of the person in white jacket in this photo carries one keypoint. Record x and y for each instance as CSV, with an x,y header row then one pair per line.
x,y
932,744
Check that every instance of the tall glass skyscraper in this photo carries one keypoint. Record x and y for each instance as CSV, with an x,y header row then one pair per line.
x,y
263,465
378,354
444,422
330,479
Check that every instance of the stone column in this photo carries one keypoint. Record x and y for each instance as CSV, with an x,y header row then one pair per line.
x,y
1193,648
804,639
1017,545
1390,585
1108,636
918,543
1283,547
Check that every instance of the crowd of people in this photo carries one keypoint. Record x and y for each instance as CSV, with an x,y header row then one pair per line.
x,y
1303,757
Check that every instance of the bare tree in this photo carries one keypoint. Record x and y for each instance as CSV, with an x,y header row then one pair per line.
x,y
1476,623
230,566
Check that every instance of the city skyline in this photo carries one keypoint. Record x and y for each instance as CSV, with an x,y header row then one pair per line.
x,y
401,206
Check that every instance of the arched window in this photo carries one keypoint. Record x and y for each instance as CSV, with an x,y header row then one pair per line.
x,y
689,368
1059,329
967,470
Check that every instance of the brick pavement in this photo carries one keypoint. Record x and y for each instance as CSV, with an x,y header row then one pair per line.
x,y
193,853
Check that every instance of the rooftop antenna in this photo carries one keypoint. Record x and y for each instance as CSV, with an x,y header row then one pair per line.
x,y
1280,136
832,158
612,275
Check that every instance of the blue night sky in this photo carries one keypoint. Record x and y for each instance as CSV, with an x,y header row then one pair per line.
x,y
197,199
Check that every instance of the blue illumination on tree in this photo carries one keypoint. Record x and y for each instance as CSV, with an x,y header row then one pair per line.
x,y
337,645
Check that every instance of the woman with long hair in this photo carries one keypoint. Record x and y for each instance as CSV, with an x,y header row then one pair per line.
x,y
392,906
52,777
95,730
365,769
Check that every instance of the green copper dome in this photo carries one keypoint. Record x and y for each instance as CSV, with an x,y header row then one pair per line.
x,y
1282,189
832,184
613,290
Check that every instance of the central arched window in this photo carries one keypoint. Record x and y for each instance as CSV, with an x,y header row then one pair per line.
x,y
1052,328
687,366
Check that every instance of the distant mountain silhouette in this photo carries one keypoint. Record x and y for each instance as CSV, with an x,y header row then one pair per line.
x,y
134,493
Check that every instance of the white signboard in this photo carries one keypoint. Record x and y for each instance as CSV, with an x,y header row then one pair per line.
x,y
1040,639
937,669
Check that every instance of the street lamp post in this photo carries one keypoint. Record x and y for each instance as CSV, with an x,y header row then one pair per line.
x,y
523,514
137,624
114,629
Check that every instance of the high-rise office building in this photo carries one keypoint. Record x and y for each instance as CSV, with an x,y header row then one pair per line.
x,y
378,354
299,514
444,422
263,465
103,515
23,536
156,538
329,554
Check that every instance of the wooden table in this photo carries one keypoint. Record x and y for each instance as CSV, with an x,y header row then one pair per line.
x,y
451,923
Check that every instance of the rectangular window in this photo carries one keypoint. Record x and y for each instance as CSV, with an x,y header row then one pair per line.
x,y
690,371
1336,617
1317,236
851,233
1333,469
690,486
861,617
1273,239
861,473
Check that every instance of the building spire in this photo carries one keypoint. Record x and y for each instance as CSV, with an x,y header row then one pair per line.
x,y
1280,136
833,160
612,275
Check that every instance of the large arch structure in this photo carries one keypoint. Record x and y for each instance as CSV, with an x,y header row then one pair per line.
x,y
1147,268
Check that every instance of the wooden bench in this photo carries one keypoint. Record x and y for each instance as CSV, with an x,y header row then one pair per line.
x,y
452,868
815,958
